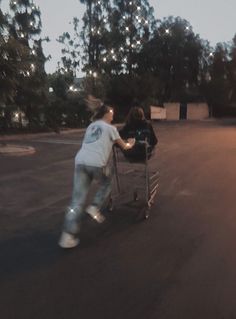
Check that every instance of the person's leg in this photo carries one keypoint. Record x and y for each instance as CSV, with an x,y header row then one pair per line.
x,y
104,177
82,181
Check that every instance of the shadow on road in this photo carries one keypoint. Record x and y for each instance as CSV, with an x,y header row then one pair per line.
x,y
24,253
38,248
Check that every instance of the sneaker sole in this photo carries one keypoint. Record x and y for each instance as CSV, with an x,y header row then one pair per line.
x,y
70,244
62,245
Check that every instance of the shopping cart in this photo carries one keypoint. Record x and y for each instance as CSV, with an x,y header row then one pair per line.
x,y
134,181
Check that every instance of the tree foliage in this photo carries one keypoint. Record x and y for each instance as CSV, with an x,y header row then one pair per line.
x,y
71,49
26,28
127,56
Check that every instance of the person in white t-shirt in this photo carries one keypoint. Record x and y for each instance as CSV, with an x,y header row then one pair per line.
x,y
91,162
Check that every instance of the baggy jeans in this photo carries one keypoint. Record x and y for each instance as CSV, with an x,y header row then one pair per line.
x,y
83,177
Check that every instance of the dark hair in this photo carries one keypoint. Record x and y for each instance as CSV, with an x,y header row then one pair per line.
x,y
100,112
135,114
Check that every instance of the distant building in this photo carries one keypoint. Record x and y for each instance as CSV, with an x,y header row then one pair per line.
x,y
180,111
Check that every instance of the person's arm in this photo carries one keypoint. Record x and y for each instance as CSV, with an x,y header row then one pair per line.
x,y
125,145
124,132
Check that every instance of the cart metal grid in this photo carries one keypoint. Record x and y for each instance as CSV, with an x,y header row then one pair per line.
x,y
141,183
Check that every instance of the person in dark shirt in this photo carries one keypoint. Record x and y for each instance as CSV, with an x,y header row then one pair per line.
x,y
136,126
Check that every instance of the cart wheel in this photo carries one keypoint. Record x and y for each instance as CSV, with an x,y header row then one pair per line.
x,y
135,196
110,205
146,213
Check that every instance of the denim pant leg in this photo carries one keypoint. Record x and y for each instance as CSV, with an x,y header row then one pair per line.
x,y
82,181
104,176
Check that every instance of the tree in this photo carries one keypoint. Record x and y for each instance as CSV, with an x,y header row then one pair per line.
x,y
131,24
70,51
232,72
218,85
66,105
173,56
11,53
93,37
26,28
94,28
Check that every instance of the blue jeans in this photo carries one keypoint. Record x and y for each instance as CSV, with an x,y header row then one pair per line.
x,y
83,177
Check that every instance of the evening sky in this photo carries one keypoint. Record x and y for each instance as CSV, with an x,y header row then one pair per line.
x,y
213,20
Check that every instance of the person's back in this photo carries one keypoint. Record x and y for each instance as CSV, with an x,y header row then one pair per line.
x,y
138,127
97,144
141,130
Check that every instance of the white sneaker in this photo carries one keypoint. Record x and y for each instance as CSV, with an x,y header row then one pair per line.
x,y
94,212
68,241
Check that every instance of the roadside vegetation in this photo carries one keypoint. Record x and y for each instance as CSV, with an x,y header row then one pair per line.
x,y
126,55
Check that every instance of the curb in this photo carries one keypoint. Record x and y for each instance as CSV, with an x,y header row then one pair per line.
x,y
16,150
32,135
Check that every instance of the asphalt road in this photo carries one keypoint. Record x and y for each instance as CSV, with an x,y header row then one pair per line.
x,y
180,264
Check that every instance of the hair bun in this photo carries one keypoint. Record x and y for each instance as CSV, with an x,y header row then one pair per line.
x,y
93,103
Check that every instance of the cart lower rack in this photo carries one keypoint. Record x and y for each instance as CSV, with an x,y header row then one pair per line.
x,y
140,181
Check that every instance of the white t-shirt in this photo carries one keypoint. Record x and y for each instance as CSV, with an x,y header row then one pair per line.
x,y
97,144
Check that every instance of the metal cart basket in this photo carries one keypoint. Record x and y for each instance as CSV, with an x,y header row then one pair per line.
x,y
134,181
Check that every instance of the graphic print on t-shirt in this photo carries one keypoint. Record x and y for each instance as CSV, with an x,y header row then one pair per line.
x,y
93,134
